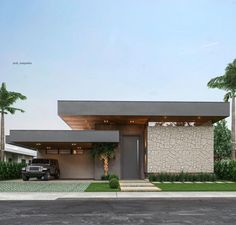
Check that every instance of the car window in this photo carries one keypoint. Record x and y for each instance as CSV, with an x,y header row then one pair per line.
x,y
40,161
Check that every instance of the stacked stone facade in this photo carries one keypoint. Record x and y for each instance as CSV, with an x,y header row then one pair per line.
x,y
176,149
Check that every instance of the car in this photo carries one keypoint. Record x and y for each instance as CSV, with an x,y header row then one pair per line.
x,y
42,169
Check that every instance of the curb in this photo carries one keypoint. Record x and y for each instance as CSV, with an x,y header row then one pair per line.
x,y
26,196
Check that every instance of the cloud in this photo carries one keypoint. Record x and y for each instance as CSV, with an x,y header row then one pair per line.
x,y
211,44
200,48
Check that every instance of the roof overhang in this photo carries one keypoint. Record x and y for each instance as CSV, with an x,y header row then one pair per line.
x,y
38,139
86,114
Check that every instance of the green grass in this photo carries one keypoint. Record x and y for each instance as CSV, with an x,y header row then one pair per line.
x,y
197,187
100,187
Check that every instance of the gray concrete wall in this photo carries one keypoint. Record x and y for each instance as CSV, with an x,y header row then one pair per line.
x,y
74,166
176,149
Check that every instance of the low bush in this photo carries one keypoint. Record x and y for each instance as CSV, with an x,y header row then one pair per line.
x,y
114,183
181,177
10,170
109,177
225,169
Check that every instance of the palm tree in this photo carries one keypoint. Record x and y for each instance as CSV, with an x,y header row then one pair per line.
x,y
227,82
7,99
104,152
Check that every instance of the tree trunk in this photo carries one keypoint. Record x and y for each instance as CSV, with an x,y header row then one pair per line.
x,y
233,128
105,166
2,137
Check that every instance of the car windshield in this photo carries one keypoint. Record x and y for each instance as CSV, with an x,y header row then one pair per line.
x,y
40,161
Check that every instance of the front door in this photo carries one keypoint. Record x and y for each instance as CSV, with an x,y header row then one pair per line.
x,y
130,157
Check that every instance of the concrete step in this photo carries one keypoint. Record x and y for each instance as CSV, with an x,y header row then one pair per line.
x,y
140,189
138,186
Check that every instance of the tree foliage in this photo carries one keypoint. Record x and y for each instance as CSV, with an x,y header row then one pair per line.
x,y
104,152
222,140
226,82
7,99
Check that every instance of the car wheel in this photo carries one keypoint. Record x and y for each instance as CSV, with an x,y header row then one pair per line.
x,y
46,176
57,176
25,178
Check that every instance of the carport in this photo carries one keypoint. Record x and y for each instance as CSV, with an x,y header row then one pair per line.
x,y
70,147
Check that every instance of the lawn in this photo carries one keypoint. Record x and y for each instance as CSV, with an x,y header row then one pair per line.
x,y
197,187
100,187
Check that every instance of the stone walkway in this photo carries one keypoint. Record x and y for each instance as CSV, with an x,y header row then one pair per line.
x,y
37,186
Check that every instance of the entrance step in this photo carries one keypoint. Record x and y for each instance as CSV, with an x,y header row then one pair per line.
x,y
138,186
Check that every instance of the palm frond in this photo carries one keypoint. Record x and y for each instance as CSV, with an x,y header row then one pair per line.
x,y
227,96
217,82
8,98
12,110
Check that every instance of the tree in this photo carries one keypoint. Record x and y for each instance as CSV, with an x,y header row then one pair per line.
x,y
104,152
227,82
7,99
222,140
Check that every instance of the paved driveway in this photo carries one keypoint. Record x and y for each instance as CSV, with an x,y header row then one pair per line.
x,y
125,212
43,186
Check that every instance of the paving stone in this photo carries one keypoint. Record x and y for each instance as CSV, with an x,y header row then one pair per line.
x,y
42,187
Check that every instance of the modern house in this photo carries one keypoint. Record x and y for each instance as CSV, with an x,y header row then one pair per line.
x,y
152,137
18,154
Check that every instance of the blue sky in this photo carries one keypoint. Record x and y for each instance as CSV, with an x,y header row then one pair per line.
x,y
112,50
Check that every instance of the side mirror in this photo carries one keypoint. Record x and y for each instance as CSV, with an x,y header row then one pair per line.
x,y
29,162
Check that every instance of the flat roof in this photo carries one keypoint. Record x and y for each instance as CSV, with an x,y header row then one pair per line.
x,y
31,138
84,114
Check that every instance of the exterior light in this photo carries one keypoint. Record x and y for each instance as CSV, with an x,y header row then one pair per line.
x,y
74,152
79,147
131,121
199,117
106,121
38,144
48,147
73,144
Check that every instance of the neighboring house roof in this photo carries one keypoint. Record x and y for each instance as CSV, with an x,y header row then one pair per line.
x,y
20,150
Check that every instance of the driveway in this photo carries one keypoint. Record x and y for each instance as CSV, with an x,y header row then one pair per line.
x,y
43,186
125,212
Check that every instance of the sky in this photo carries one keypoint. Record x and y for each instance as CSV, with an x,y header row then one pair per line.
x,y
163,50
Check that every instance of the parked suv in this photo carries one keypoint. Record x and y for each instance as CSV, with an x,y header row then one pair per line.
x,y
42,169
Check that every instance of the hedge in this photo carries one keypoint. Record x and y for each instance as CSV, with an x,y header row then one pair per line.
x,y
10,170
182,177
225,170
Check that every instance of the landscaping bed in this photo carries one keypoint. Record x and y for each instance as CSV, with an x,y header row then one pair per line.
x,y
196,186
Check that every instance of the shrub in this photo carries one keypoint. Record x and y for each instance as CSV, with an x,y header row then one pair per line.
x,y
103,177
109,177
152,177
10,170
114,183
182,177
225,169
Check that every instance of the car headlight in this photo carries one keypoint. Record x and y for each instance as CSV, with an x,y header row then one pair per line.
x,y
44,169
23,168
